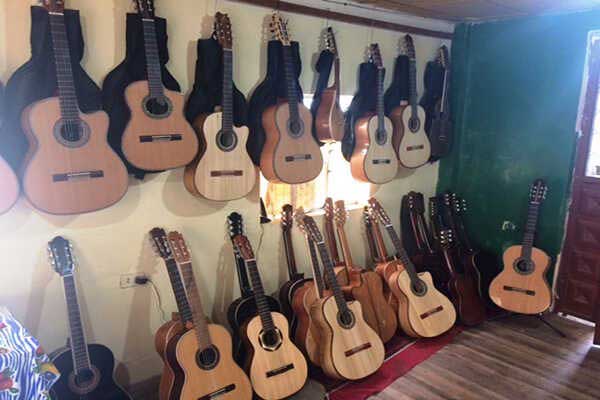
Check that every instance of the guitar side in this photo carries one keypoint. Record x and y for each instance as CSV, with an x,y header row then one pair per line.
x,y
371,161
329,121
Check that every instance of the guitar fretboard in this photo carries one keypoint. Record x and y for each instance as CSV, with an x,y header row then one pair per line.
x,y
198,315
290,80
402,255
227,123
412,94
179,291
330,277
259,296
289,254
380,107
317,276
81,357
153,69
530,228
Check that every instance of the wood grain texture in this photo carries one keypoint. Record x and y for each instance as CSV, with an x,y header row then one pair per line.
x,y
262,361
329,121
157,156
367,150
200,173
9,187
162,337
306,337
199,382
536,282
47,157
414,148
279,145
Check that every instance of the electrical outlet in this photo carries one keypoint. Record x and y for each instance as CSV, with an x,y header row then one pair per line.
x,y
127,281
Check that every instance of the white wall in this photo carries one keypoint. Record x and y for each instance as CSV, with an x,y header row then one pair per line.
x,y
114,241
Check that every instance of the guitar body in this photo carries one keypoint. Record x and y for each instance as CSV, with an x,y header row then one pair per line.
x,y
427,316
483,267
441,129
9,187
385,270
372,161
102,386
286,298
287,159
305,335
46,182
414,148
279,373
468,304
163,337
225,380
532,294
396,118
220,173
387,322
329,121
352,353
141,141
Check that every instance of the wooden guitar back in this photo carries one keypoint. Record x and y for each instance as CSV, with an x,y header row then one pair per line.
x,y
157,155
371,161
162,337
387,322
525,294
306,336
9,186
414,148
469,305
329,122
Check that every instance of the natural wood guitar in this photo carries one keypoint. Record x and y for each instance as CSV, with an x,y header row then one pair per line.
x,y
374,159
157,136
365,286
276,367
350,349
329,121
224,171
69,168
412,143
339,267
291,153
423,310
521,286
204,352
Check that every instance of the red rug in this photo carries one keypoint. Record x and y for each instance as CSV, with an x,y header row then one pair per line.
x,y
402,355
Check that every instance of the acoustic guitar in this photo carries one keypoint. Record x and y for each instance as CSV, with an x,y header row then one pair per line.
x,y
291,153
86,370
204,352
521,287
365,286
350,349
157,136
374,159
69,168
423,311
329,120
412,144
277,369
441,125
224,171
339,267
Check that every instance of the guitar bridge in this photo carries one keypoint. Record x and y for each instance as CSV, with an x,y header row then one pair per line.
x,y
413,148
280,370
160,138
357,349
431,312
378,161
218,393
217,174
298,157
527,292
71,176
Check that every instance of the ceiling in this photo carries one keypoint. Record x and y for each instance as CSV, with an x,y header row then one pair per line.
x,y
461,10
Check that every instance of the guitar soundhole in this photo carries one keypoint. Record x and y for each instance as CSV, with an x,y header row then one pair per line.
x,y
208,358
157,107
295,127
523,266
419,288
270,340
414,124
72,133
346,319
226,141
85,381
381,137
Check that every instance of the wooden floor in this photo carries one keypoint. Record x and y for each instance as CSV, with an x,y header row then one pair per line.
x,y
515,358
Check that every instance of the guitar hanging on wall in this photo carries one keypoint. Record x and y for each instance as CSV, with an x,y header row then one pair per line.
x,y
224,171
157,136
69,168
441,125
374,159
291,153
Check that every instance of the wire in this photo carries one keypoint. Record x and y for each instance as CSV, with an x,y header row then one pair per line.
x,y
163,314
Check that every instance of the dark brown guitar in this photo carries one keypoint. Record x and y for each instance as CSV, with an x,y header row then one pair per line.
x,y
339,267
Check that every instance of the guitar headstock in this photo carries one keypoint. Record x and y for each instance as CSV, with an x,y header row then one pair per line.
x,y
312,230
279,29
446,238
223,30
367,217
410,47
299,218
54,6
415,202
287,217
340,214
60,252
444,57
160,243
145,8
375,55
328,208
330,43
447,196
179,247
244,247
379,212
236,224
459,204
538,191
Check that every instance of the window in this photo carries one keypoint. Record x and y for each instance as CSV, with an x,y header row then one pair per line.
x,y
334,181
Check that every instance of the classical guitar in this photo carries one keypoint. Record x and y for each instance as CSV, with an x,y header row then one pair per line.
x,y
374,159
69,168
291,153
339,267
204,352
242,309
412,144
224,171
416,206
521,286
329,121
423,311
157,136
441,124
167,336
277,369
86,370
462,287
365,285
350,349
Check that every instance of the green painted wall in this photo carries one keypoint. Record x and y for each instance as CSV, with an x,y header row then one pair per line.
x,y
516,93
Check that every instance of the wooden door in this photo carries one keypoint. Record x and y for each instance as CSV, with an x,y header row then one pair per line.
x,y
578,281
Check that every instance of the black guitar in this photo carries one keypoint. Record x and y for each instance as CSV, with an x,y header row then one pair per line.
x,y
242,309
440,133
86,370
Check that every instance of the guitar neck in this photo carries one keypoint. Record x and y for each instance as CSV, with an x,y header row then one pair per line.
x,y
423,233
227,106
198,316
244,281
445,100
179,291
331,241
259,296
69,107
348,261
404,258
330,277
290,80
153,68
81,357
380,107
289,255
449,262
530,229
317,276
336,77
462,233
383,254
371,243
412,76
